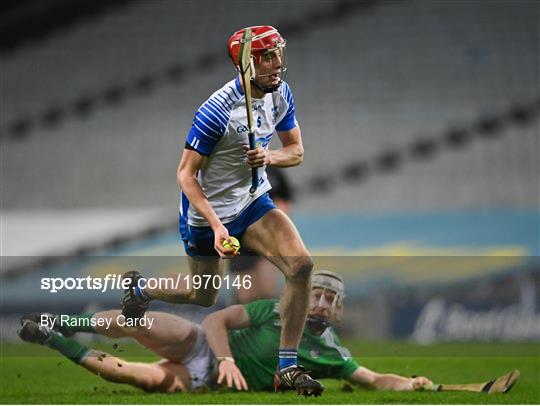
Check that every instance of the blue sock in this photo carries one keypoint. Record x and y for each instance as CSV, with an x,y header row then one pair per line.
x,y
287,357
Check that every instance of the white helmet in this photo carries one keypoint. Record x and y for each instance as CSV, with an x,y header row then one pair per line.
x,y
328,280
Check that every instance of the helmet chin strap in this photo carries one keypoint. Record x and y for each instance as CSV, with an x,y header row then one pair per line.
x,y
317,324
269,89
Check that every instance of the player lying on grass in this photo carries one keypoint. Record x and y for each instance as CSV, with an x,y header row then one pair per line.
x,y
242,337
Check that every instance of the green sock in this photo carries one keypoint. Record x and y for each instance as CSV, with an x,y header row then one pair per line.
x,y
79,323
70,348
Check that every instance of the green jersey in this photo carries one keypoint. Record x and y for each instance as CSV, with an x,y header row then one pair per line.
x,y
256,349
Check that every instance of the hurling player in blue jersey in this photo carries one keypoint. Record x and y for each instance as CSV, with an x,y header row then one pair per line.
x,y
215,177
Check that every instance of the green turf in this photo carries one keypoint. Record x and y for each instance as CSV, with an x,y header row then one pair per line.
x,y
33,374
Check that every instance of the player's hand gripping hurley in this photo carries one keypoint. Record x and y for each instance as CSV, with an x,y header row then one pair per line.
x,y
246,71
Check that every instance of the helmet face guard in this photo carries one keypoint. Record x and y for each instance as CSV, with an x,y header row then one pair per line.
x,y
267,56
328,281
269,65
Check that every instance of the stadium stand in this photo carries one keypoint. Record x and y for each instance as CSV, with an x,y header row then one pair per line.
x,y
26,23
407,76
404,106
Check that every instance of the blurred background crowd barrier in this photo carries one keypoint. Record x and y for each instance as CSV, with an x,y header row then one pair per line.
x,y
420,124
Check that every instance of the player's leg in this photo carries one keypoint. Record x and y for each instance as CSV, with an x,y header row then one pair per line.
x,y
170,336
184,291
263,274
275,237
150,377
179,341
164,376
205,295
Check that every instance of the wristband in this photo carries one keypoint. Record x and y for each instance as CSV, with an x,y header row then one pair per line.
x,y
219,359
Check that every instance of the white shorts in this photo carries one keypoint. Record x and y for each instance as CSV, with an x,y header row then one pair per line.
x,y
200,362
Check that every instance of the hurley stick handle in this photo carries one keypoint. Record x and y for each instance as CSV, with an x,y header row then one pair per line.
x,y
246,66
254,172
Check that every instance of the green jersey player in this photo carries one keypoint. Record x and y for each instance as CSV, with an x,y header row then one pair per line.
x,y
236,346
254,348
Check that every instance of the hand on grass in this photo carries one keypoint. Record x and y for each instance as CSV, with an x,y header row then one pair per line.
x,y
230,373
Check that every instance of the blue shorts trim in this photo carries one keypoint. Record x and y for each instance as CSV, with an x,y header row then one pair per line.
x,y
199,241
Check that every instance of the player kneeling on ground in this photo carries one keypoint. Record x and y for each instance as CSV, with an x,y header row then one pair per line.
x,y
235,346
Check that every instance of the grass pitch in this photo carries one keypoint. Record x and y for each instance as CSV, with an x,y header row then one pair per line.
x,y
37,375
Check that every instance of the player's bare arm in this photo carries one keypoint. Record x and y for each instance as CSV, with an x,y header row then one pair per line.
x,y
367,378
291,153
190,163
216,326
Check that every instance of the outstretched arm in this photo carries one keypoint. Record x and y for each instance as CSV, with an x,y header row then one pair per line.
x,y
216,326
365,377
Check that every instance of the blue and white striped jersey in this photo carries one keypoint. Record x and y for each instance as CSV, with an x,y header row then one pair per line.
x,y
220,131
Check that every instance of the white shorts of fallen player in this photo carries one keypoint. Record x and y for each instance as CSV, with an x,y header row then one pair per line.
x,y
200,362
